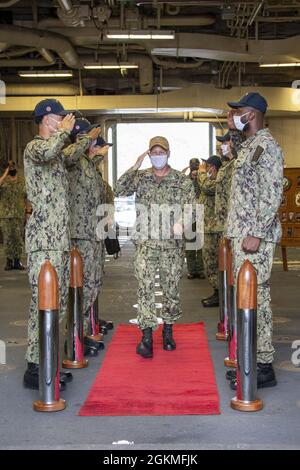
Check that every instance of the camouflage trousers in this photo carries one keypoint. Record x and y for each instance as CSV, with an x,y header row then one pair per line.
x,y
12,230
194,261
61,262
262,262
91,253
168,264
210,253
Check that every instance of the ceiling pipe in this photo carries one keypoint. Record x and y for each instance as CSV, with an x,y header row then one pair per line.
x,y
8,4
224,48
41,89
16,53
197,20
3,46
41,39
23,63
174,64
47,55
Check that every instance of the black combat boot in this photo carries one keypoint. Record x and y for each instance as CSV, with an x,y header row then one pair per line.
x,y
231,374
31,378
212,301
90,342
9,264
18,265
145,347
265,377
168,341
106,324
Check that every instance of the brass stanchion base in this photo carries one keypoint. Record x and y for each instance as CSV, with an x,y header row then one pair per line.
x,y
241,405
98,337
221,336
67,364
59,405
230,362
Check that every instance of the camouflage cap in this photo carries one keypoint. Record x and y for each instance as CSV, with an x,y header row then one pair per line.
x,y
159,140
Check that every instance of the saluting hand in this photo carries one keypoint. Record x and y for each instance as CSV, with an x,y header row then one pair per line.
x,y
230,120
140,160
67,123
202,168
94,133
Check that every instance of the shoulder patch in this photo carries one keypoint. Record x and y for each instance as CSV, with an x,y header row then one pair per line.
x,y
257,154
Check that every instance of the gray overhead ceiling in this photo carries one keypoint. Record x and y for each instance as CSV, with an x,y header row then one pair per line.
x,y
216,42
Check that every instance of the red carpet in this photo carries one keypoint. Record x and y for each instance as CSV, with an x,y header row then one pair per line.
x,y
179,382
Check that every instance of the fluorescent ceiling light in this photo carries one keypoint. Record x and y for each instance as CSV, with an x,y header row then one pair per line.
x,y
289,64
45,73
110,66
145,34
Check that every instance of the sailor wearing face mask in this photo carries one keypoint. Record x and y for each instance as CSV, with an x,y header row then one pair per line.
x,y
48,229
86,193
12,215
223,181
207,176
253,224
158,185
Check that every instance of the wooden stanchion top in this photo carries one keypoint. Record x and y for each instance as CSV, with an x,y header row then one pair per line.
x,y
247,287
230,265
223,254
76,277
48,293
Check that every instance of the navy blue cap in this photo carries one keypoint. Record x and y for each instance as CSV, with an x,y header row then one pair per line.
x,y
101,142
82,126
214,160
253,100
50,106
223,138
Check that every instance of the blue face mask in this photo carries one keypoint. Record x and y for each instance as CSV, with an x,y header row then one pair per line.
x,y
159,161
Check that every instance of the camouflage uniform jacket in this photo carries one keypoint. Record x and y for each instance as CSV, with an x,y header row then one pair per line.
x,y
47,190
85,194
223,185
207,198
173,189
257,184
12,198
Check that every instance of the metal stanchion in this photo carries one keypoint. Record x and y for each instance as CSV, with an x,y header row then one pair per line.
x,y
221,334
231,361
49,373
75,347
246,398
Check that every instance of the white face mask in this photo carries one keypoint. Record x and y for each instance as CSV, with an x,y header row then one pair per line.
x,y
159,161
238,121
225,149
209,174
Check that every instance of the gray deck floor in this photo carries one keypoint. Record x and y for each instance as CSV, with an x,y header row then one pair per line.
x,y
277,426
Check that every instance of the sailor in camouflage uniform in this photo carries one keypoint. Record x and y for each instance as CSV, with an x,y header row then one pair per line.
x,y
207,176
85,195
154,187
194,259
12,213
253,223
48,231
223,183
